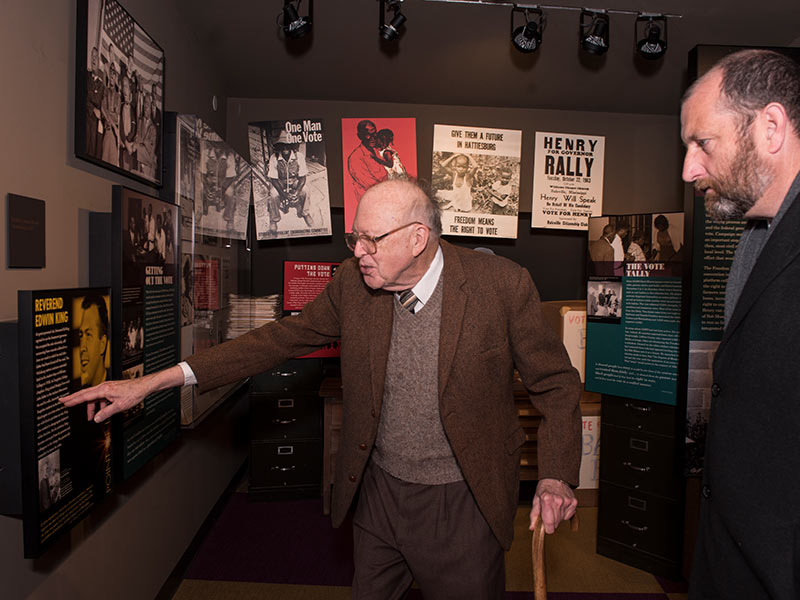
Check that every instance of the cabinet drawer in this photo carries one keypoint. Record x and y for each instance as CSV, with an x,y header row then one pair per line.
x,y
274,464
301,374
639,414
639,460
640,520
285,415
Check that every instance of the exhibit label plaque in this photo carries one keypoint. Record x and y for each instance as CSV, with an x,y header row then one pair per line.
x,y
633,306
146,316
64,341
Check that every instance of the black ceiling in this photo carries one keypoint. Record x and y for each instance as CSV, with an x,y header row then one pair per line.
x,y
461,54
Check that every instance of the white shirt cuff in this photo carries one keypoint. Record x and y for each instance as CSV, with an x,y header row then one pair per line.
x,y
188,374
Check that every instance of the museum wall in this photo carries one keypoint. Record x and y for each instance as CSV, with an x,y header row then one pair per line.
x,y
131,544
37,43
642,174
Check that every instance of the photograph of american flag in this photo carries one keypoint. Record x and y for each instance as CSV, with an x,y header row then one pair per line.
x,y
142,53
120,82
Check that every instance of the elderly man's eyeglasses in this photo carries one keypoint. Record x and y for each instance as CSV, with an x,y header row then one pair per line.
x,y
369,243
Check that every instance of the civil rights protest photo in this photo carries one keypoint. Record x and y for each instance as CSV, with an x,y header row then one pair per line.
x,y
119,88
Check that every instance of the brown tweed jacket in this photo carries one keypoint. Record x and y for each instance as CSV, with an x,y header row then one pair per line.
x,y
491,323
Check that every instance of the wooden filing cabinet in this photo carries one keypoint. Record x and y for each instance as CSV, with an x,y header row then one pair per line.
x,y
286,430
640,511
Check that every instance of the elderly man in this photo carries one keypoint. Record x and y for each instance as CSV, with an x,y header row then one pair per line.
x,y
431,440
740,124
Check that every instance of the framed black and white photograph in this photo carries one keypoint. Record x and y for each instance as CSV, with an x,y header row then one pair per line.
x,y
119,92
214,178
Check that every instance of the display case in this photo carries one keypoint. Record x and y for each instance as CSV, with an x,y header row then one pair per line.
x,y
212,186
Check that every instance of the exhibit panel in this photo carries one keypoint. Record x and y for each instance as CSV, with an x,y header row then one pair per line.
x,y
302,282
633,305
64,345
634,310
145,296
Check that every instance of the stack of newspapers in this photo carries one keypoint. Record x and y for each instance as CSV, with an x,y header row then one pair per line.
x,y
249,312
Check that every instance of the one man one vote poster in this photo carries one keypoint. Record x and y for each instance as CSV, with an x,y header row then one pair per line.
x,y
567,180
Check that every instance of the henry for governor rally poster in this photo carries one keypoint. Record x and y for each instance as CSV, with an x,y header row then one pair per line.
x,y
567,180
475,179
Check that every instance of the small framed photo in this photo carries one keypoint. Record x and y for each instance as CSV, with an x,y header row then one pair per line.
x,y
119,92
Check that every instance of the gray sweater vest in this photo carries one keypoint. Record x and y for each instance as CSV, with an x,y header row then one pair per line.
x,y
411,443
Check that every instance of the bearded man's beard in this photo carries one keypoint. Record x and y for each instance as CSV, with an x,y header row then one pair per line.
x,y
739,187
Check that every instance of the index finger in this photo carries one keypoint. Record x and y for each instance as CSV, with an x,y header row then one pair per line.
x,y
87,395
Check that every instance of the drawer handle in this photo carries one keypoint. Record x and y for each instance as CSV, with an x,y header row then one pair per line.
x,y
277,468
284,421
638,528
636,468
286,373
642,409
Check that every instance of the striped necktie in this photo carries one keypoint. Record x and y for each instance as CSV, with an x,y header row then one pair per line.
x,y
407,300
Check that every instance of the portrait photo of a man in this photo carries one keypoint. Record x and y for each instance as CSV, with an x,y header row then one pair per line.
x,y
91,331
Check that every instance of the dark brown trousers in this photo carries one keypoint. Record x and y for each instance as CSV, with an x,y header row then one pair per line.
x,y
432,534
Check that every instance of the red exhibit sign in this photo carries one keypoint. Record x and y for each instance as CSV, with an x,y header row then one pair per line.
x,y
302,282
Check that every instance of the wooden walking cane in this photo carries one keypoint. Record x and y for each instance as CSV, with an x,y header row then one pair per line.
x,y
537,554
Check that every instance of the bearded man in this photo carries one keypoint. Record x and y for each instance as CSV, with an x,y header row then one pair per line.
x,y
740,124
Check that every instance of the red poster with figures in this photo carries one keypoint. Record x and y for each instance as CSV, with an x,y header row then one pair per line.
x,y
375,150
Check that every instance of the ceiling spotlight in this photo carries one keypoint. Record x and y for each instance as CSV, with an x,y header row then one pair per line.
x,y
593,31
527,38
295,26
651,45
391,31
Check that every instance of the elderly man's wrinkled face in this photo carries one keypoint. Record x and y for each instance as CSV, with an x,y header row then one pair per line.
x,y
381,210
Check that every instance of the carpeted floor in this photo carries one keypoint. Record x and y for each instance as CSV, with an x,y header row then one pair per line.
x,y
287,550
